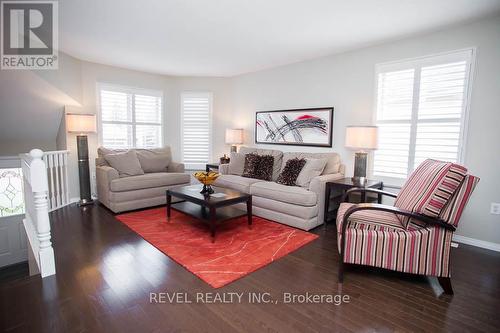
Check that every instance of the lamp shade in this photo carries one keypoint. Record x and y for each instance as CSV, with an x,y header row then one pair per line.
x,y
361,137
81,123
234,136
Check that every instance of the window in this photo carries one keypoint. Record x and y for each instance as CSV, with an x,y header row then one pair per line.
x,y
196,127
11,191
130,118
421,112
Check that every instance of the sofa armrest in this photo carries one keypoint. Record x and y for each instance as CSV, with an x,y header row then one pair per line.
x,y
175,167
104,175
318,186
224,169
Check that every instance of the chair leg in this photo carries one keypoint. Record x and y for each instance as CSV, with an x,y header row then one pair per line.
x,y
445,283
341,272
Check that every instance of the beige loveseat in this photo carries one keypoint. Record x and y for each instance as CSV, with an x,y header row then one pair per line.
x,y
296,206
122,193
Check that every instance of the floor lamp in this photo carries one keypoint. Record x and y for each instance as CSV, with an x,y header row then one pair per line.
x,y
82,124
361,138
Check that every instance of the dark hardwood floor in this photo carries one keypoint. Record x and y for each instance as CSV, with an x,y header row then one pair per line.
x,y
105,273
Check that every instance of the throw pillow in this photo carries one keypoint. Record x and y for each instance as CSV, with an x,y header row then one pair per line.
x,y
429,188
290,172
313,168
236,164
127,164
153,160
258,166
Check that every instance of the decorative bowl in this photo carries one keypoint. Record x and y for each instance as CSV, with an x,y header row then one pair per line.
x,y
207,179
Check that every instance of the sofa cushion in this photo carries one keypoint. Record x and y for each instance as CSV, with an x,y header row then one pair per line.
x,y
429,188
303,212
102,151
258,166
126,163
149,180
291,171
236,182
278,157
154,160
313,168
236,164
290,194
332,164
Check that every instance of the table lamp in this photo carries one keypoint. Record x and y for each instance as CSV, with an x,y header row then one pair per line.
x,y
81,124
234,137
361,138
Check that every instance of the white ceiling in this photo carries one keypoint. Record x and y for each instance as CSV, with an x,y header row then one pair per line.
x,y
230,37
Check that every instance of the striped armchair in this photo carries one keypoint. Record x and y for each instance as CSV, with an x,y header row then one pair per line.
x,y
413,236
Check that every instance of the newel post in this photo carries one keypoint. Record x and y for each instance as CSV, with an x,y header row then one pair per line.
x,y
39,187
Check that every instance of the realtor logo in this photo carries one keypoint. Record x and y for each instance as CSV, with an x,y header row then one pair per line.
x,y
29,35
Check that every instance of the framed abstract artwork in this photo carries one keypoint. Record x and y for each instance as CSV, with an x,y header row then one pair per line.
x,y
298,127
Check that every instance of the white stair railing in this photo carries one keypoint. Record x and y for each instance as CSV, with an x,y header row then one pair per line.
x,y
36,221
57,173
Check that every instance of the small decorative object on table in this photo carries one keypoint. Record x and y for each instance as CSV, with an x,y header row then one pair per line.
x,y
224,159
207,179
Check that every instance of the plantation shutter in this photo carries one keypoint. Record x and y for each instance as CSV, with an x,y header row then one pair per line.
x,y
148,121
196,129
421,108
130,118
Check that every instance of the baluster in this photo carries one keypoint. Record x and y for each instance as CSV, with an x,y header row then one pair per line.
x,y
51,184
56,187
66,177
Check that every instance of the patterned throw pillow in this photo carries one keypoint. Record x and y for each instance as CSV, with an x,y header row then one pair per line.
x,y
429,188
290,172
258,166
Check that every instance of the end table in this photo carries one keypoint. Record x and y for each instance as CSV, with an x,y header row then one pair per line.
x,y
345,184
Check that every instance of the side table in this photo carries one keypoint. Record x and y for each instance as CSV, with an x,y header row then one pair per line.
x,y
345,184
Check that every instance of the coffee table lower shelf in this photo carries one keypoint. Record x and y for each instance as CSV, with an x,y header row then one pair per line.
x,y
203,213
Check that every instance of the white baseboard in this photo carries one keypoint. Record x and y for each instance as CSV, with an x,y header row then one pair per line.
x,y
73,200
477,242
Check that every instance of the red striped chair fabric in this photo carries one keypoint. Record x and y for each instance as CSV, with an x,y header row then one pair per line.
x,y
378,239
429,188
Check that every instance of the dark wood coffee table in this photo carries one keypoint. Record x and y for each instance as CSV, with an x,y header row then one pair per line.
x,y
212,208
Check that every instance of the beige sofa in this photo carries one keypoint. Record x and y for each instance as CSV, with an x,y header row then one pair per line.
x,y
133,192
296,206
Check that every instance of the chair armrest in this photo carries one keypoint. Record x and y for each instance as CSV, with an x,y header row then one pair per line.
x,y
370,190
384,208
105,174
224,169
317,186
175,167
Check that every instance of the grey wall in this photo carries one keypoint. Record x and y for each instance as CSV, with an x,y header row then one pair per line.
x,y
346,81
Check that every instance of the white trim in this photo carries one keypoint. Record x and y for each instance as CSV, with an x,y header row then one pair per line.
x,y
477,242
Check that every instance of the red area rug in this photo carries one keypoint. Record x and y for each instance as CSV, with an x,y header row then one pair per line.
x,y
237,250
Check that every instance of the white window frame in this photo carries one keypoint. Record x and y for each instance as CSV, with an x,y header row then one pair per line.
x,y
134,91
417,63
210,126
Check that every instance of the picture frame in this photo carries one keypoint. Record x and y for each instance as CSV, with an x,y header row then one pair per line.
x,y
311,127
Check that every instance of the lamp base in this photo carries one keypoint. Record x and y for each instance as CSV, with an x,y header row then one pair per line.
x,y
85,202
234,149
359,181
359,178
